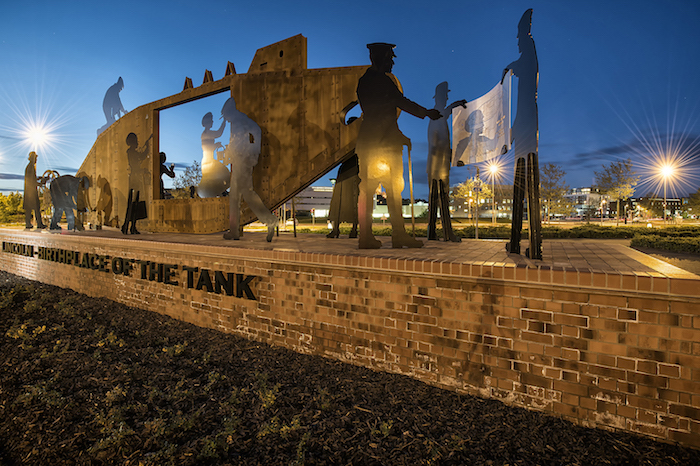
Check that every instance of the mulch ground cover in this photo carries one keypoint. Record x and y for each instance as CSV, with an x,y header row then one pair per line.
x,y
90,381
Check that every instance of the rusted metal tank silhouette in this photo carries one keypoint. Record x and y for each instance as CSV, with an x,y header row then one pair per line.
x,y
299,110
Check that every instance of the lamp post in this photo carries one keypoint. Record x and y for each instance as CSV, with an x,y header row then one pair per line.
x,y
666,172
477,189
493,168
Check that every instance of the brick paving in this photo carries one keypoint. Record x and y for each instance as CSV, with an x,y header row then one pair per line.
x,y
589,255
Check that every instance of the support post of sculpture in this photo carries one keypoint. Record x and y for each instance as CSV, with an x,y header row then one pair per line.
x,y
533,208
518,198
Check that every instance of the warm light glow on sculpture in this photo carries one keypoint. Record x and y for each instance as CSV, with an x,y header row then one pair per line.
x,y
382,169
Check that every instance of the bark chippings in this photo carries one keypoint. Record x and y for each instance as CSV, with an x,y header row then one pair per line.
x,y
90,381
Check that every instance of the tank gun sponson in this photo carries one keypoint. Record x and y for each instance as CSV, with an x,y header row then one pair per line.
x,y
300,113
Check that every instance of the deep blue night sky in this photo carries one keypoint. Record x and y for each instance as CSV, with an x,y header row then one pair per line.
x,y
616,78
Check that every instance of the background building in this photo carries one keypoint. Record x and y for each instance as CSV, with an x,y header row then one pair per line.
x,y
589,202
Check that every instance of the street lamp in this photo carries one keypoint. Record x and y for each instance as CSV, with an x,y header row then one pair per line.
x,y
493,168
477,188
666,173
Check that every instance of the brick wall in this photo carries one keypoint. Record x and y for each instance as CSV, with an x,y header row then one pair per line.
x,y
610,350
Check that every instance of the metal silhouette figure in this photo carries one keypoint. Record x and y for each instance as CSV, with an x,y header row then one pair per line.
x,y
439,159
66,193
135,210
112,104
215,176
380,145
164,170
343,208
525,136
83,202
31,202
139,175
242,153
104,202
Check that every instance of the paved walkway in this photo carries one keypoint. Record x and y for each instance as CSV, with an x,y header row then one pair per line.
x,y
579,254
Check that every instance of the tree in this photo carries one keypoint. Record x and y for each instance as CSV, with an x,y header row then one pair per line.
x,y
693,207
11,209
467,192
190,177
617,180
553,190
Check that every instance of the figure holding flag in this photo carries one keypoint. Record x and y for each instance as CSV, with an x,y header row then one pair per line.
x,y
526,69
525,137
439,157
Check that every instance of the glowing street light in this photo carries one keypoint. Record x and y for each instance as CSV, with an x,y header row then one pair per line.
x,y
36,137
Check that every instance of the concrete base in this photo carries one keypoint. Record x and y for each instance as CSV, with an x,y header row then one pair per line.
x,y
596,332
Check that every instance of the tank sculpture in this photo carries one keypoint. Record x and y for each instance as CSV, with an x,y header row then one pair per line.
x,y
300,113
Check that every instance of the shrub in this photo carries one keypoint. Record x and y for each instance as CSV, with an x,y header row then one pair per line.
x,y
668,243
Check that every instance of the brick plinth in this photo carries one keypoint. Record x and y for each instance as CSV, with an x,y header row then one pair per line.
x,y
600,348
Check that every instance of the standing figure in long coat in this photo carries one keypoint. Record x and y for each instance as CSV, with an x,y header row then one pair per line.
x,y
380,145
343,208
31,200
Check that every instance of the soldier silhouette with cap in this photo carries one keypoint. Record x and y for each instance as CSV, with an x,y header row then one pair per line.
x,y
31,194
380,145
439,158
